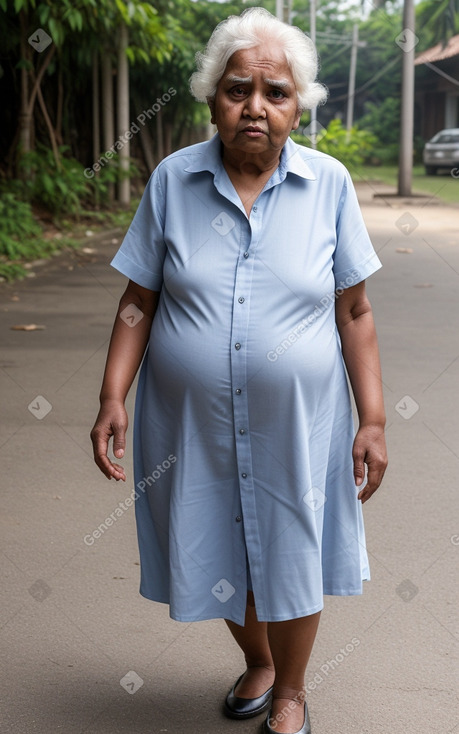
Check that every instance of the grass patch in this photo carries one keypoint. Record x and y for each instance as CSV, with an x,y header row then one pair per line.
x,y
32,234
442,186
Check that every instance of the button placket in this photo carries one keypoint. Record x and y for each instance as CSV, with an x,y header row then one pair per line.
x,y
241,422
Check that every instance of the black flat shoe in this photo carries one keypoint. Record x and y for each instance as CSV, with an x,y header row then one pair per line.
x,y
305,729
245,708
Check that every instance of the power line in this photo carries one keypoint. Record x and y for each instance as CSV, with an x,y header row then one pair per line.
x,y
369,81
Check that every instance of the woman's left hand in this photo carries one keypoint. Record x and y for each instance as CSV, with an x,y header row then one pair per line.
x,y
370,449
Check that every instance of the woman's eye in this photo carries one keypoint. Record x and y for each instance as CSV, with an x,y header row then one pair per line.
x,y
277,94
238,91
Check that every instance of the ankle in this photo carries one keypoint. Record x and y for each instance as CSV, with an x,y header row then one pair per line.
x,y
268,667
296,694
265,665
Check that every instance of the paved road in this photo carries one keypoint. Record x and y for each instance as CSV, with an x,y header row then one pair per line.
x,y
72,623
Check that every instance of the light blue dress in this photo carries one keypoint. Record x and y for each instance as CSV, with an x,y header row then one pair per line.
x,y
243,426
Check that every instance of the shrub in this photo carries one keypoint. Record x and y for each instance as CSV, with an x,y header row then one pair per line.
x,y
352,147
383,120
20,236
64,189
20,232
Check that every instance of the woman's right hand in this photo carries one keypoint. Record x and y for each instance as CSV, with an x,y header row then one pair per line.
x,y
112,420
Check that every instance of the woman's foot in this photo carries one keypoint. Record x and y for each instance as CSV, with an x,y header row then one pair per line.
x,y
255,681
287,715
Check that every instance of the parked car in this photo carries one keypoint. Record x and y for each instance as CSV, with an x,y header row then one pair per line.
x,y
442,151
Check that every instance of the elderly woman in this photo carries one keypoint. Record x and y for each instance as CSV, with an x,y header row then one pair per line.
x,y
246,300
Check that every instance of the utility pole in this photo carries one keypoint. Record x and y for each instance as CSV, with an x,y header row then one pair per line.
x,y
312,33
407,42
352,72
280,10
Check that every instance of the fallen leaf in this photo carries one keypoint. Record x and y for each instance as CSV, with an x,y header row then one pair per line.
x,y
88,250
404,250
28,327
15,298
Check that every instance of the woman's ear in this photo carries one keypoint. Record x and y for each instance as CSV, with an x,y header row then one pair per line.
x,y
297,119
211,103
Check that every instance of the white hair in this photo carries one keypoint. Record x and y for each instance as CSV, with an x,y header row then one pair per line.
x,y
248,30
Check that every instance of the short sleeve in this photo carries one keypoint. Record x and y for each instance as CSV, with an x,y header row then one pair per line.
x,y
354,258
141,255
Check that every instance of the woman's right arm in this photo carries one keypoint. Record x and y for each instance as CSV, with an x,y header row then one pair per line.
x,y
127,346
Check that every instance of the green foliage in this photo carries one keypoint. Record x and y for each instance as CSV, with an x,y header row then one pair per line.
x,y
20,231
351,148
383,120
436,20
20,236
64,189
59,189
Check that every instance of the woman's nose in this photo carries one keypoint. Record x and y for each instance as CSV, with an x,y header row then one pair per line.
x,y
254,106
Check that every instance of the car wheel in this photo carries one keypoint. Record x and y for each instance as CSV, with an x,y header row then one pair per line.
x,y
431,171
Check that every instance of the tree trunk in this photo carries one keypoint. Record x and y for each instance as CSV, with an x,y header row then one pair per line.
x,y
49,125
167,138
25,122
159,136
95,108
60,106
108,122
124,188
147,147
25,116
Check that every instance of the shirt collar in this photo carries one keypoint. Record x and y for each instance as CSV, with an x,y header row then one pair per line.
x,y
291,161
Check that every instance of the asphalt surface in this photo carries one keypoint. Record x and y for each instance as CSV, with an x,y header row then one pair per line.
x,y
84,653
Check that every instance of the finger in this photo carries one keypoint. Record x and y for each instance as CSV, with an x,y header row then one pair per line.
x,y
359,466
117,472
119,440
100,448
374,479
108,468
366,493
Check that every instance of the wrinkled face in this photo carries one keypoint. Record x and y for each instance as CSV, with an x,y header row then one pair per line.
x,y
256,106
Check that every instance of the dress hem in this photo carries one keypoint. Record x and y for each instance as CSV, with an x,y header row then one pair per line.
x,y
237,619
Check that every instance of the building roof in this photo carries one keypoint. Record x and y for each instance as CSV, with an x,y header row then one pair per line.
x,y
439,52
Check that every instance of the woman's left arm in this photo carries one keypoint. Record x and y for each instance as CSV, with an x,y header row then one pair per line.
x,y
354,319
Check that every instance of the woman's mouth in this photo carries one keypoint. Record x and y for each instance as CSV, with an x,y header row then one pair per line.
x,y
252,131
